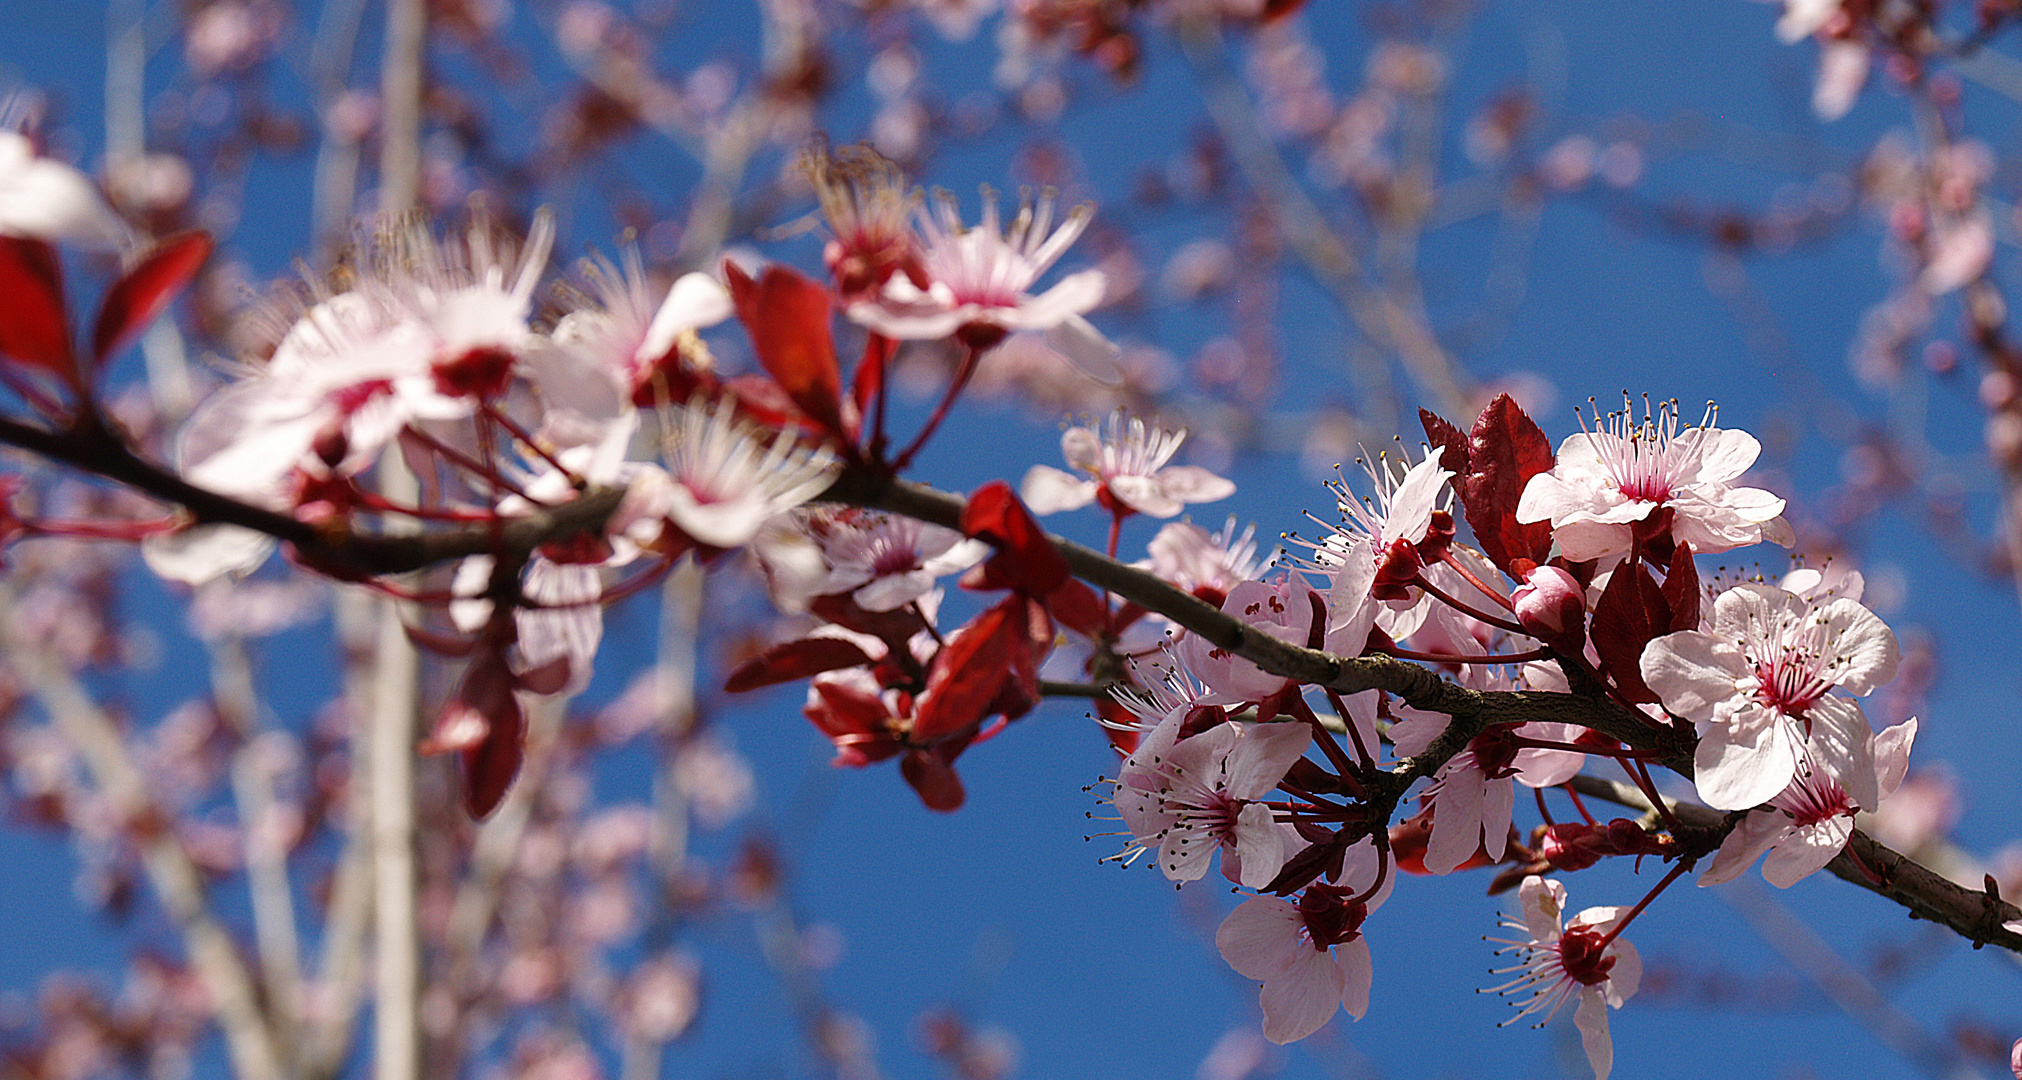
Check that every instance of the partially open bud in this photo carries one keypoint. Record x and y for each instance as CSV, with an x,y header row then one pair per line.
x,y
1552,606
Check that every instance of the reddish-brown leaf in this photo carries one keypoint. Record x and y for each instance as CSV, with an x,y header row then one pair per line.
x,y
1451,441
1631,611
794,660
34,329
1505,450
878,350
895,627
1026,558
969,674
142,292
489,767
1079,609
787,316
933,779
1681,591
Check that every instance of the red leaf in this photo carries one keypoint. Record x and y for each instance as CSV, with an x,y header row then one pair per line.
x,y
489,767
33,327
142,292
1078,608
1505,450
878,351
934,779
895,627
1451,441
970,673
1681,591
1631,611
1026,558
787,317
796,660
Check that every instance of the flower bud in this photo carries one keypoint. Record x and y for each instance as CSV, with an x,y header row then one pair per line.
x,y
1551,605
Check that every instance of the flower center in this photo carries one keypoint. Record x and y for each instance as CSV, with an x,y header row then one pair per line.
x,y
1583,954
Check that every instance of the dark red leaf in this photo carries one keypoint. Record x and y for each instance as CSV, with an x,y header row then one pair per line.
x,y
796,660
878,351
547,679
1079,609
1451,441
895,627
970,673
787,316
1681,591
489,767
142,292
1026,558
1631,611
1274,10
1505,450
934,779
34,329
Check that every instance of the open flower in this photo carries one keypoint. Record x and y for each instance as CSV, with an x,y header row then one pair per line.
x,y
979,281
1310,956
886,560
724,477
1629,474
1807,824
1375,550
48,200
1127,470
1473,794
1577,960
1759,685
1189,795
1285,610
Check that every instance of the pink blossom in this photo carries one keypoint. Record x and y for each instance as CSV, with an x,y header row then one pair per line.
x,y
1760,680
1200,562
884,560
1310,956
1127,466
1808,823
49,200
978,282
724,478
1474,793
1578,959
1189,795
1285,610
1374,553
604,356
1608,481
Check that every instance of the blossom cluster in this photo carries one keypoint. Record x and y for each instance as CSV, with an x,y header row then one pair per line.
x,y
1559,584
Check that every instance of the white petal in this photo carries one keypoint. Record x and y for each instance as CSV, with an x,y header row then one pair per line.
x,y
1047,490
1357,972
1757,833
1261,938
696,300
1740,765
1807,851
1693,672
1592,1020
1301,1001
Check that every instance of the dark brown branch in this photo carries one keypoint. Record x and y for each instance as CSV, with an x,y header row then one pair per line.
x,y
333,550
1972,914
1975,916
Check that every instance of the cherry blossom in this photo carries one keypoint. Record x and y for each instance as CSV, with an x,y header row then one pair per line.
x,y
1810,821
1198,561
1629,474
1374,552
610,352
1758,685
868,206
1310,955
978,282
724,478
1473,794
1559,962
883,560
1286,610
1127,471
1191,794
49,200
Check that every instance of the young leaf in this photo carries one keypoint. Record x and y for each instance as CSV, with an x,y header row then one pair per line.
x,y
142,292
1451,441
794,660
34,329
1505,450
1025,559
1681,591
787,316
1629,614
970,673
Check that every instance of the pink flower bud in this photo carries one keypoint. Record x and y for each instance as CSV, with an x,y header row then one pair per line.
x,y
1551,605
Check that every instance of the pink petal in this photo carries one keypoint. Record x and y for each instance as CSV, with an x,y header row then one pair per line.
x,y
1261,938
